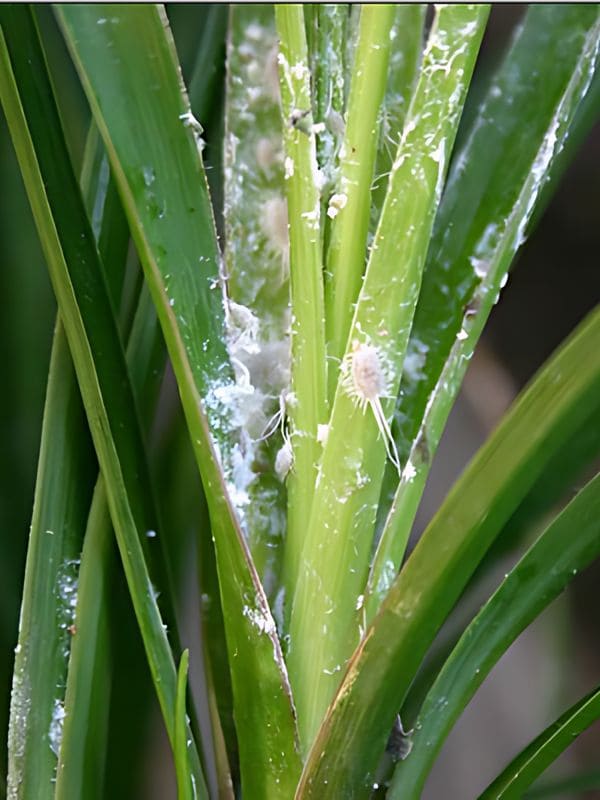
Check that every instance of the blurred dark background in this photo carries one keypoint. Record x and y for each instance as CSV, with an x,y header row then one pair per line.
x,y
554,283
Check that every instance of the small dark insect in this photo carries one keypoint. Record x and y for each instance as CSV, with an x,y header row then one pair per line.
x,y
298,119
400,743
421,448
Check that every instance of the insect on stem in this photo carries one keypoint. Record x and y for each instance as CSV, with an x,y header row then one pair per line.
x,y
365,382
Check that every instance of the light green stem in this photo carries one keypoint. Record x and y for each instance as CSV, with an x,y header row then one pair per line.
x,y
325,626
308,406
349,206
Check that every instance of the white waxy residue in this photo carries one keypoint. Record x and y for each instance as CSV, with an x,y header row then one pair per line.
x,y
414,361
261,620
284,460
322,434
56,727
336,203
288,167
409,472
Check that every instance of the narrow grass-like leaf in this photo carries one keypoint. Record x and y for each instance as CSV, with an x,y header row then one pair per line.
x,y
63,490
205,75
405,58
544,750
307,406
185,786
328,67
86,692
145,121
326,619
567,546
491,194
66,468
559,787
355,730
88,318
83,745
256,263
349,206
86,706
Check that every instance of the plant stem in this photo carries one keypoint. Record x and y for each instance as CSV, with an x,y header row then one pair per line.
x,y
326,618
308,407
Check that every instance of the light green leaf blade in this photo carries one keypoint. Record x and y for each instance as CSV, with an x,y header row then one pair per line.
x,y
326,616
493,189
307,403
152,143
544,750
407,34
355,730
566,547
349,204
327,60
185,785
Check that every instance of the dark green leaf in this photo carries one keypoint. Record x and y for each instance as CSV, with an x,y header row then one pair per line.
x,y
152,141
544,750
566,547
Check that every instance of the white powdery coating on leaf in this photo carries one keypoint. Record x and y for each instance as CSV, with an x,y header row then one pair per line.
x,y
274,223
267,153
299,71
336,203
262,621
409,472
242,475
322,434
414,361
288,166
278,609
387,577
56,726
20,708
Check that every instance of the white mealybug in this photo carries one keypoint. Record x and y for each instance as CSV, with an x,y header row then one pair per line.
x,y
284,459
364,381
285,455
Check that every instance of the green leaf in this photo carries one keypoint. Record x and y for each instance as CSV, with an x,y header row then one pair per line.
x,y
86,706
307,405
405,60
87,314
349,206
63,491
581,782
86,697
144,118
326,620
66,469
566,547
495,183
185,784
355,730
328,82
544,750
